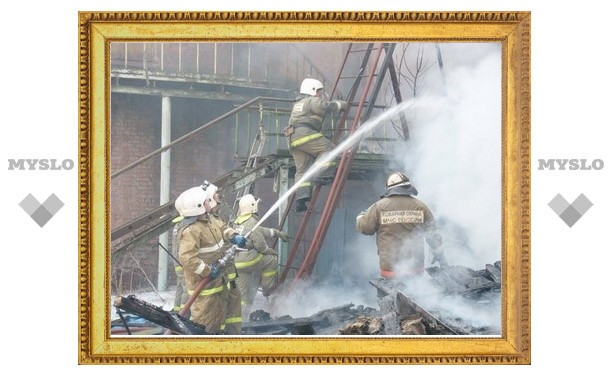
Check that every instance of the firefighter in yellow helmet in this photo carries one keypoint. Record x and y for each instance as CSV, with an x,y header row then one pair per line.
x,y
306,142
259,265
202,241
401,224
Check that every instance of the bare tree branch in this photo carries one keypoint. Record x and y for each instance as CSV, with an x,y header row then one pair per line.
x,y
145,276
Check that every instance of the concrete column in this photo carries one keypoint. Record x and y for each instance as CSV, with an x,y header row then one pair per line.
x,y
283,187
164,191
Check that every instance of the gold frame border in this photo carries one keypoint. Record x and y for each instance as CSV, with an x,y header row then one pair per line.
x,y
97,29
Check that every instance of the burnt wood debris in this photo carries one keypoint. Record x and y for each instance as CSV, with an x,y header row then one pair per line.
x,y
399,313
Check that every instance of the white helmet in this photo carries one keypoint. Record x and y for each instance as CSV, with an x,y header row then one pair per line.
x,y
310,86
191,202
397,179
248,204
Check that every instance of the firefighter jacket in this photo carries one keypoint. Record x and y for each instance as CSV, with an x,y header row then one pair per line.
x,y
202,244
400,222
243,225
311,111
306,142
257,267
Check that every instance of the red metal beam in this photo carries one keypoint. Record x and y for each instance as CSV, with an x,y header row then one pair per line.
x,y
299,235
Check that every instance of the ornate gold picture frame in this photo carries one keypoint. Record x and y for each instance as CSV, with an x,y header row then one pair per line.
x,y
97,30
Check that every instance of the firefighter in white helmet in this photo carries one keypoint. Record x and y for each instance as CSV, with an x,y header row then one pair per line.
x,y
202,241
401,223
259,265
180,295
306,142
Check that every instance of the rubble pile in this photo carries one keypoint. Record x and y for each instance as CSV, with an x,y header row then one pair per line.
x,y
479,285
324,322
404,317
478,290
368,325
404,309
363,325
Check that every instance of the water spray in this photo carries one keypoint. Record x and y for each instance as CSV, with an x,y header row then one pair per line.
x,y
342,147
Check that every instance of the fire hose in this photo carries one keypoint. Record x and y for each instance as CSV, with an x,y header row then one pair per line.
x,y
229,255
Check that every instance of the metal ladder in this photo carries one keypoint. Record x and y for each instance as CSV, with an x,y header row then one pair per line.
x,y
370,57
253,158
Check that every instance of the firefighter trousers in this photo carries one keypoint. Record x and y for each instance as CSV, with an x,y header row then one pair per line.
x,y
261,271
305,156
217,307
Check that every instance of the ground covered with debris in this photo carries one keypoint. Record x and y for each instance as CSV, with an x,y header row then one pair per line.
x,y
325,322
453,301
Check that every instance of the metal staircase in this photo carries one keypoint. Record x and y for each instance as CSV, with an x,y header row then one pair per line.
x,y
362,101
159,220
254,157
237,181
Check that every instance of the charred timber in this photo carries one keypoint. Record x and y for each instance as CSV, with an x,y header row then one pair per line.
x,y
288,325
467,282
405,307
158,315
323,322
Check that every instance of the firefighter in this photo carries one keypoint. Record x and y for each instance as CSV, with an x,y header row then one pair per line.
x,y
202,242
259,265
180,295
401,222
306,143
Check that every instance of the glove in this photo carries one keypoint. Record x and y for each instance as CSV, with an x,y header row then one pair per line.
x,y
239,240
441,259
214,271
340,105
281,235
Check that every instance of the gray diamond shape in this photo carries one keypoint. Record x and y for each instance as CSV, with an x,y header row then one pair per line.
x,y
570,213
582,204
41,216
53,204
29,204
41,213
558,204
570,216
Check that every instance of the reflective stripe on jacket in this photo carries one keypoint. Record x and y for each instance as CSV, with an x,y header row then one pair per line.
x,y
202,244
245,224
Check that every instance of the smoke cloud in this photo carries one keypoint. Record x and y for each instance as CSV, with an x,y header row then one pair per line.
x,y
454,157
454,160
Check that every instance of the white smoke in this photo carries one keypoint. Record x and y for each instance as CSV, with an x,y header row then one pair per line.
x,y
454,157
454,160
306,298
430,296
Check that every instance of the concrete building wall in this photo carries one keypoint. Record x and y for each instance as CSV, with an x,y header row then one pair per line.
x,y
135,132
